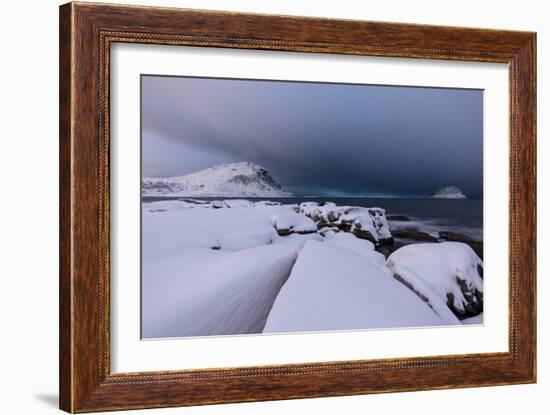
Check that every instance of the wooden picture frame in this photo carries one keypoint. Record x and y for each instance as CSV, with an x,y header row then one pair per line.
x,y
86,33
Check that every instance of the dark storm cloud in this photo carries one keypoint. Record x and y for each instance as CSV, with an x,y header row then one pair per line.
x,y
317,139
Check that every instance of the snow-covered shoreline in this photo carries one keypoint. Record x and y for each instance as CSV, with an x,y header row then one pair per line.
x,y
216,267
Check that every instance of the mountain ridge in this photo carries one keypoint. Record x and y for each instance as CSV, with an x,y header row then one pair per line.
x,y
244,179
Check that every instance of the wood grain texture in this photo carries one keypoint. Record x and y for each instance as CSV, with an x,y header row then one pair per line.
x,y
65,247
86,33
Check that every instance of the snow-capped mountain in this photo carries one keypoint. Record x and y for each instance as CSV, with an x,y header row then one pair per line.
x,y
450,192
225,180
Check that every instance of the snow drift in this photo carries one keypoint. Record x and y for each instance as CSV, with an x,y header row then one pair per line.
x,y
335,288
234,294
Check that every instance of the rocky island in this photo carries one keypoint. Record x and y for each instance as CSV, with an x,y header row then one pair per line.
x,y
450,192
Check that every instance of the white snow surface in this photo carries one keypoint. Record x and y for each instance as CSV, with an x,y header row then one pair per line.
x,y
217,267
359,246
289,220
202,293
225,180
450,192
350,241
333,288
209,271
433,269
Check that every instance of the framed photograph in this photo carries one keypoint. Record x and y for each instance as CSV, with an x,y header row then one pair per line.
x,y
258,207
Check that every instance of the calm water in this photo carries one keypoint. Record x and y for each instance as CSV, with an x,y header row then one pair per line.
x,y
463,216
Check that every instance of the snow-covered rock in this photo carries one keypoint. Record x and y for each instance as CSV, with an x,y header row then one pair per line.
x,y
365,223
335,288
450,192
288,221
448,272
225,180
372,226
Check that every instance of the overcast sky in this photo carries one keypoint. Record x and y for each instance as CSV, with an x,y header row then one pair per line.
x,y
317,138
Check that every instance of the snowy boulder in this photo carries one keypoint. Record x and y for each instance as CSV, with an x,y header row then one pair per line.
x,y
365,223
334,288
326,213
330,212
446,271
288,221
450,192
311,210
372,226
